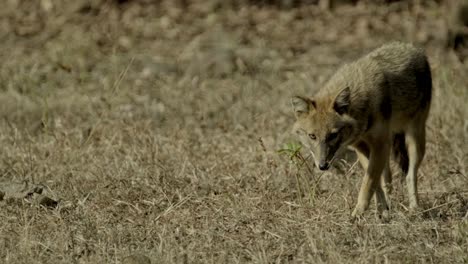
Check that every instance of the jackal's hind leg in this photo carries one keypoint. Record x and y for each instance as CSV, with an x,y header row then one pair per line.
x,y
416,146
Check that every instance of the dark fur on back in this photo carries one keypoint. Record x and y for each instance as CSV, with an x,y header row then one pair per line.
x,y
424,80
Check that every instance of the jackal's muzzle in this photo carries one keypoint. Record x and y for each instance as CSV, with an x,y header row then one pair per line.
x,y
327,155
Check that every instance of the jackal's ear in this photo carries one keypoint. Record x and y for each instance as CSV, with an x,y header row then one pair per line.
x,y
342,101
302,105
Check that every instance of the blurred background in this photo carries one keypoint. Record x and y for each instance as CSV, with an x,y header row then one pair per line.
x,y
160,127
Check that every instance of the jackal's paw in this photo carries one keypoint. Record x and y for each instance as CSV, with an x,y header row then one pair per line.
x,y
413,207
357,219
357,214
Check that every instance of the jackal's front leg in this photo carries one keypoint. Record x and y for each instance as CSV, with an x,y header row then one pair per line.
x,y
378,158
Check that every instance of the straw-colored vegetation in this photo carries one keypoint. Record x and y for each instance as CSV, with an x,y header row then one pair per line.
x,y
157,128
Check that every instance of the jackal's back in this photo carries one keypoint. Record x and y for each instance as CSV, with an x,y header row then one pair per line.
x,y
393,80
407,72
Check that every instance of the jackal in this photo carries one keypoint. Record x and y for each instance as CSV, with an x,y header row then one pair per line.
x,y
376,105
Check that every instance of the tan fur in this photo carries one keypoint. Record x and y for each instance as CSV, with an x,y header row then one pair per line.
x,y
367,105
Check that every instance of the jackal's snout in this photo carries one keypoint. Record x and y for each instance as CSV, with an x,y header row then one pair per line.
x,y
324,165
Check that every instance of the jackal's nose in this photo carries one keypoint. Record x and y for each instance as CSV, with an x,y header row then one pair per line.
x,y
324,166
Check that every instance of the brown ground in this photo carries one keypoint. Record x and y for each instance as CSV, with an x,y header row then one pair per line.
x,y
157,128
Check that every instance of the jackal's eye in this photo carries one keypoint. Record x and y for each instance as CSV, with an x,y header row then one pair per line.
x,y
312,136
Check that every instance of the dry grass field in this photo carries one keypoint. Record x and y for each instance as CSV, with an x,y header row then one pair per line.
x,y
157,126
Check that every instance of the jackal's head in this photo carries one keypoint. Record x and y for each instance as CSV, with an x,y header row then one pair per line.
x,y
324,126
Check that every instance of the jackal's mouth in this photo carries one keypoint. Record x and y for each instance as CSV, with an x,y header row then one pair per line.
x,y
327,164
323,166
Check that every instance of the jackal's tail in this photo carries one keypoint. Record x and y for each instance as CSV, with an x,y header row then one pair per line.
x,y
400,152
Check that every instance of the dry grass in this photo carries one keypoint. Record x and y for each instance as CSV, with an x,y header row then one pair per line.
x,y
158,127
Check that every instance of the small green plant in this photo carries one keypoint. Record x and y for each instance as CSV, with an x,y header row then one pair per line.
x,y
293,151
